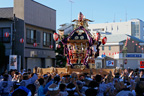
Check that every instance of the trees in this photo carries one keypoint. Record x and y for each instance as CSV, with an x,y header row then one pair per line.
x,y
60,58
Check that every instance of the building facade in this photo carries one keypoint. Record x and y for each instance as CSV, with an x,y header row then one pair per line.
x,y
134,27
35,23
117,56
6,25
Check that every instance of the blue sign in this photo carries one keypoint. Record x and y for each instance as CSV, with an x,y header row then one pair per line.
x,y
134,55
110,63
103,55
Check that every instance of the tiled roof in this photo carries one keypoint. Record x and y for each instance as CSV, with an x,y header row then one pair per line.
x,y
6,13
120,38
65,26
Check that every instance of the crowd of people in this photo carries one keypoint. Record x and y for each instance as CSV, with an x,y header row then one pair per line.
x,y
127,82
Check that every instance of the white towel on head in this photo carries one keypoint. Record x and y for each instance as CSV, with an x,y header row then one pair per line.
x,y
68,89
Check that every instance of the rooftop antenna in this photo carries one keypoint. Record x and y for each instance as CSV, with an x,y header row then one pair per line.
x,y
92,14
126,15
114,18
71,8
120,20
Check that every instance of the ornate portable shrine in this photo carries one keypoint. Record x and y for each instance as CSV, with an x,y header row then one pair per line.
x,y
80,46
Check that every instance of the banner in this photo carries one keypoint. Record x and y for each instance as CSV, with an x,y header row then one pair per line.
x,y
13,62
110,63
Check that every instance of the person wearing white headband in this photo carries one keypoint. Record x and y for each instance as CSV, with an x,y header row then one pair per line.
x,y
53,89
71,89
63,91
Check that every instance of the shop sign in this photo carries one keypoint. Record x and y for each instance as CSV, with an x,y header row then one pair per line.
x,y
110,63
13,62
134,55
141,64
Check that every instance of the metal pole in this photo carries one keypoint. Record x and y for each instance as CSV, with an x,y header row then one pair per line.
x,y
13,37
71,8
71,11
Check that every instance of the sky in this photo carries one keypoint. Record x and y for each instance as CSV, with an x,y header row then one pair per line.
x,y
101,11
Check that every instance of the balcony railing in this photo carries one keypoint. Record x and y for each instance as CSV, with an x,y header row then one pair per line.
x,y
47,44
30,41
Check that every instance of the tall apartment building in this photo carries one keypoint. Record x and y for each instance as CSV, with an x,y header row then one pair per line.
x,y
134,27
35,23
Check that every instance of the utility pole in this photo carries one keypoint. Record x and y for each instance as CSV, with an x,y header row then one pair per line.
x,y
13,36
71,8
126,15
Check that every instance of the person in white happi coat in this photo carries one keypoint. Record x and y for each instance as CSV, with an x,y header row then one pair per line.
x,y
5,85
26,81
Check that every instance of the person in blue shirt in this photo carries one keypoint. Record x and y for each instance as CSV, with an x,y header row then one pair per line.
x,y
41,88
21,91
49,82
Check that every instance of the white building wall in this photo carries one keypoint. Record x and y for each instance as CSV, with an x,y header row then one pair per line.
x,y
118,28
113,28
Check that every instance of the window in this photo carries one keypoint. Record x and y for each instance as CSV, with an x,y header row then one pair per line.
x,y
102,47
135,29
4,39
31,36
89,29
111,27
98,29
109,47
117,28
47,38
